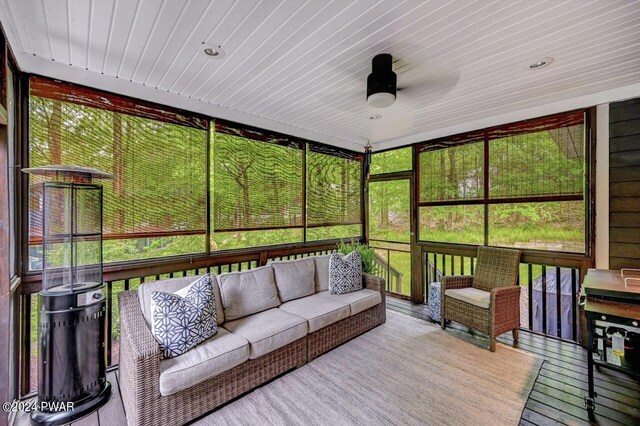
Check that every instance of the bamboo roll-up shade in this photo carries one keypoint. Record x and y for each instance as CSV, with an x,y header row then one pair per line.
x,y
538,158
159,164
257,179
334,179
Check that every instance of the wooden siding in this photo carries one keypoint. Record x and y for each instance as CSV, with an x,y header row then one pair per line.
x,y
624,184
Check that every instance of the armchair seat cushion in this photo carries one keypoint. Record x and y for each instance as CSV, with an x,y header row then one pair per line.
x,y
268,330
473,296
212,357
357,301
319,311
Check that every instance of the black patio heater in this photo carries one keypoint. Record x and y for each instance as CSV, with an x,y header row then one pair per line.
x,y
72,356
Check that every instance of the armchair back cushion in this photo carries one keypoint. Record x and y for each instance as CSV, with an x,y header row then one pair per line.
x,y
294,278
173,285
496,267
248,292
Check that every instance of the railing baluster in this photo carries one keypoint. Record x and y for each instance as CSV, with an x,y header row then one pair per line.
x,y
558,302
574,304
530,291
444,265
473,264
453,265
435,267
126,283
109,320
544,299
25,374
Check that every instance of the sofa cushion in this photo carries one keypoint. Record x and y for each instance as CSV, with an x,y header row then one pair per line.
x,y
184,319
268,330
357,301
322,272
471,295
216,355
319,311
345,273
248,292
294,278
173,285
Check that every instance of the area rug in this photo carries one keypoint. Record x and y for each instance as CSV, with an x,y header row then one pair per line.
x,y
405,372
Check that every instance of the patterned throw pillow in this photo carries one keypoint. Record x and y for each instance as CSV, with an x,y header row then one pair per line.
x,y
345,273
184,319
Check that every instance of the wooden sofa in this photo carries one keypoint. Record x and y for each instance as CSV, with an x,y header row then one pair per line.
x,y
150,398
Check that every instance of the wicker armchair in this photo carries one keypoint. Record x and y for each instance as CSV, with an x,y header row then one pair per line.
x,y
489,301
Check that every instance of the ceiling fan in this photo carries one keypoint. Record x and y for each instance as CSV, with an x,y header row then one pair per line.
x,y
382,83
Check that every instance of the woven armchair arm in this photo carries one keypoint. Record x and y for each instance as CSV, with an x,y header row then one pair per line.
x,y
501,296
504,309
456,281
373,282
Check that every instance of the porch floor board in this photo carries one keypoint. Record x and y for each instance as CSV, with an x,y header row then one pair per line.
x,y
558,393
556,398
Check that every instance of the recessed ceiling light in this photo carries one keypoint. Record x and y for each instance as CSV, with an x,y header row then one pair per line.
x,y
212,51
375,117
541,63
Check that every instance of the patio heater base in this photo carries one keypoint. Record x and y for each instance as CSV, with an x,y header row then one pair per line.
x,y
80,409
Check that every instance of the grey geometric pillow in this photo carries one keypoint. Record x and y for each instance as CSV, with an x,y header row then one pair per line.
x,y
180,323
345,273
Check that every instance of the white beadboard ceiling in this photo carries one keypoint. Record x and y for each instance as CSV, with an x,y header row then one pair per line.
x,y
300,67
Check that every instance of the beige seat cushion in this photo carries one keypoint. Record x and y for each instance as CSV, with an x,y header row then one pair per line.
x,y
173,285
269,330
214,356
248,292
358,301
322,272
319,311
470,295
294,278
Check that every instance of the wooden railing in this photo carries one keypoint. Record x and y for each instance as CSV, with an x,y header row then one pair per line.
x,y
392,276
129,276
550,282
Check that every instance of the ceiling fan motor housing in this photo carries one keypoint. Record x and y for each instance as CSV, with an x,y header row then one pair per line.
x,y
382,82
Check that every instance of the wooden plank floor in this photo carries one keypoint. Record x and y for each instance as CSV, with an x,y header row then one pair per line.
x,y
558,394
556,398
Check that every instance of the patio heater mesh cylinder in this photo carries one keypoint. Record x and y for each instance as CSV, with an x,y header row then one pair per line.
x,y
72,341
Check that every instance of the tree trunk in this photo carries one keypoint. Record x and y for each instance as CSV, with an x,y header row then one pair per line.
x,y
118,172
54,134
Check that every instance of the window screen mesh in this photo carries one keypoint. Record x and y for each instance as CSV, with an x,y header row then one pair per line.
x,y
449,174
159,187
257,180
546,163
333,186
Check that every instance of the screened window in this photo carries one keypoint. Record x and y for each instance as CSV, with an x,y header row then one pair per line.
x,y
394,160
180,179
257,180
333,187
156,205
530,194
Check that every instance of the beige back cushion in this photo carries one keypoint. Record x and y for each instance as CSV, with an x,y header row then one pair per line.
x,y
295,278
248,292
173,285
322,272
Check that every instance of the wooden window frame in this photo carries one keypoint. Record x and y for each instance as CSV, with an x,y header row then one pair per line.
x,y
486,135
